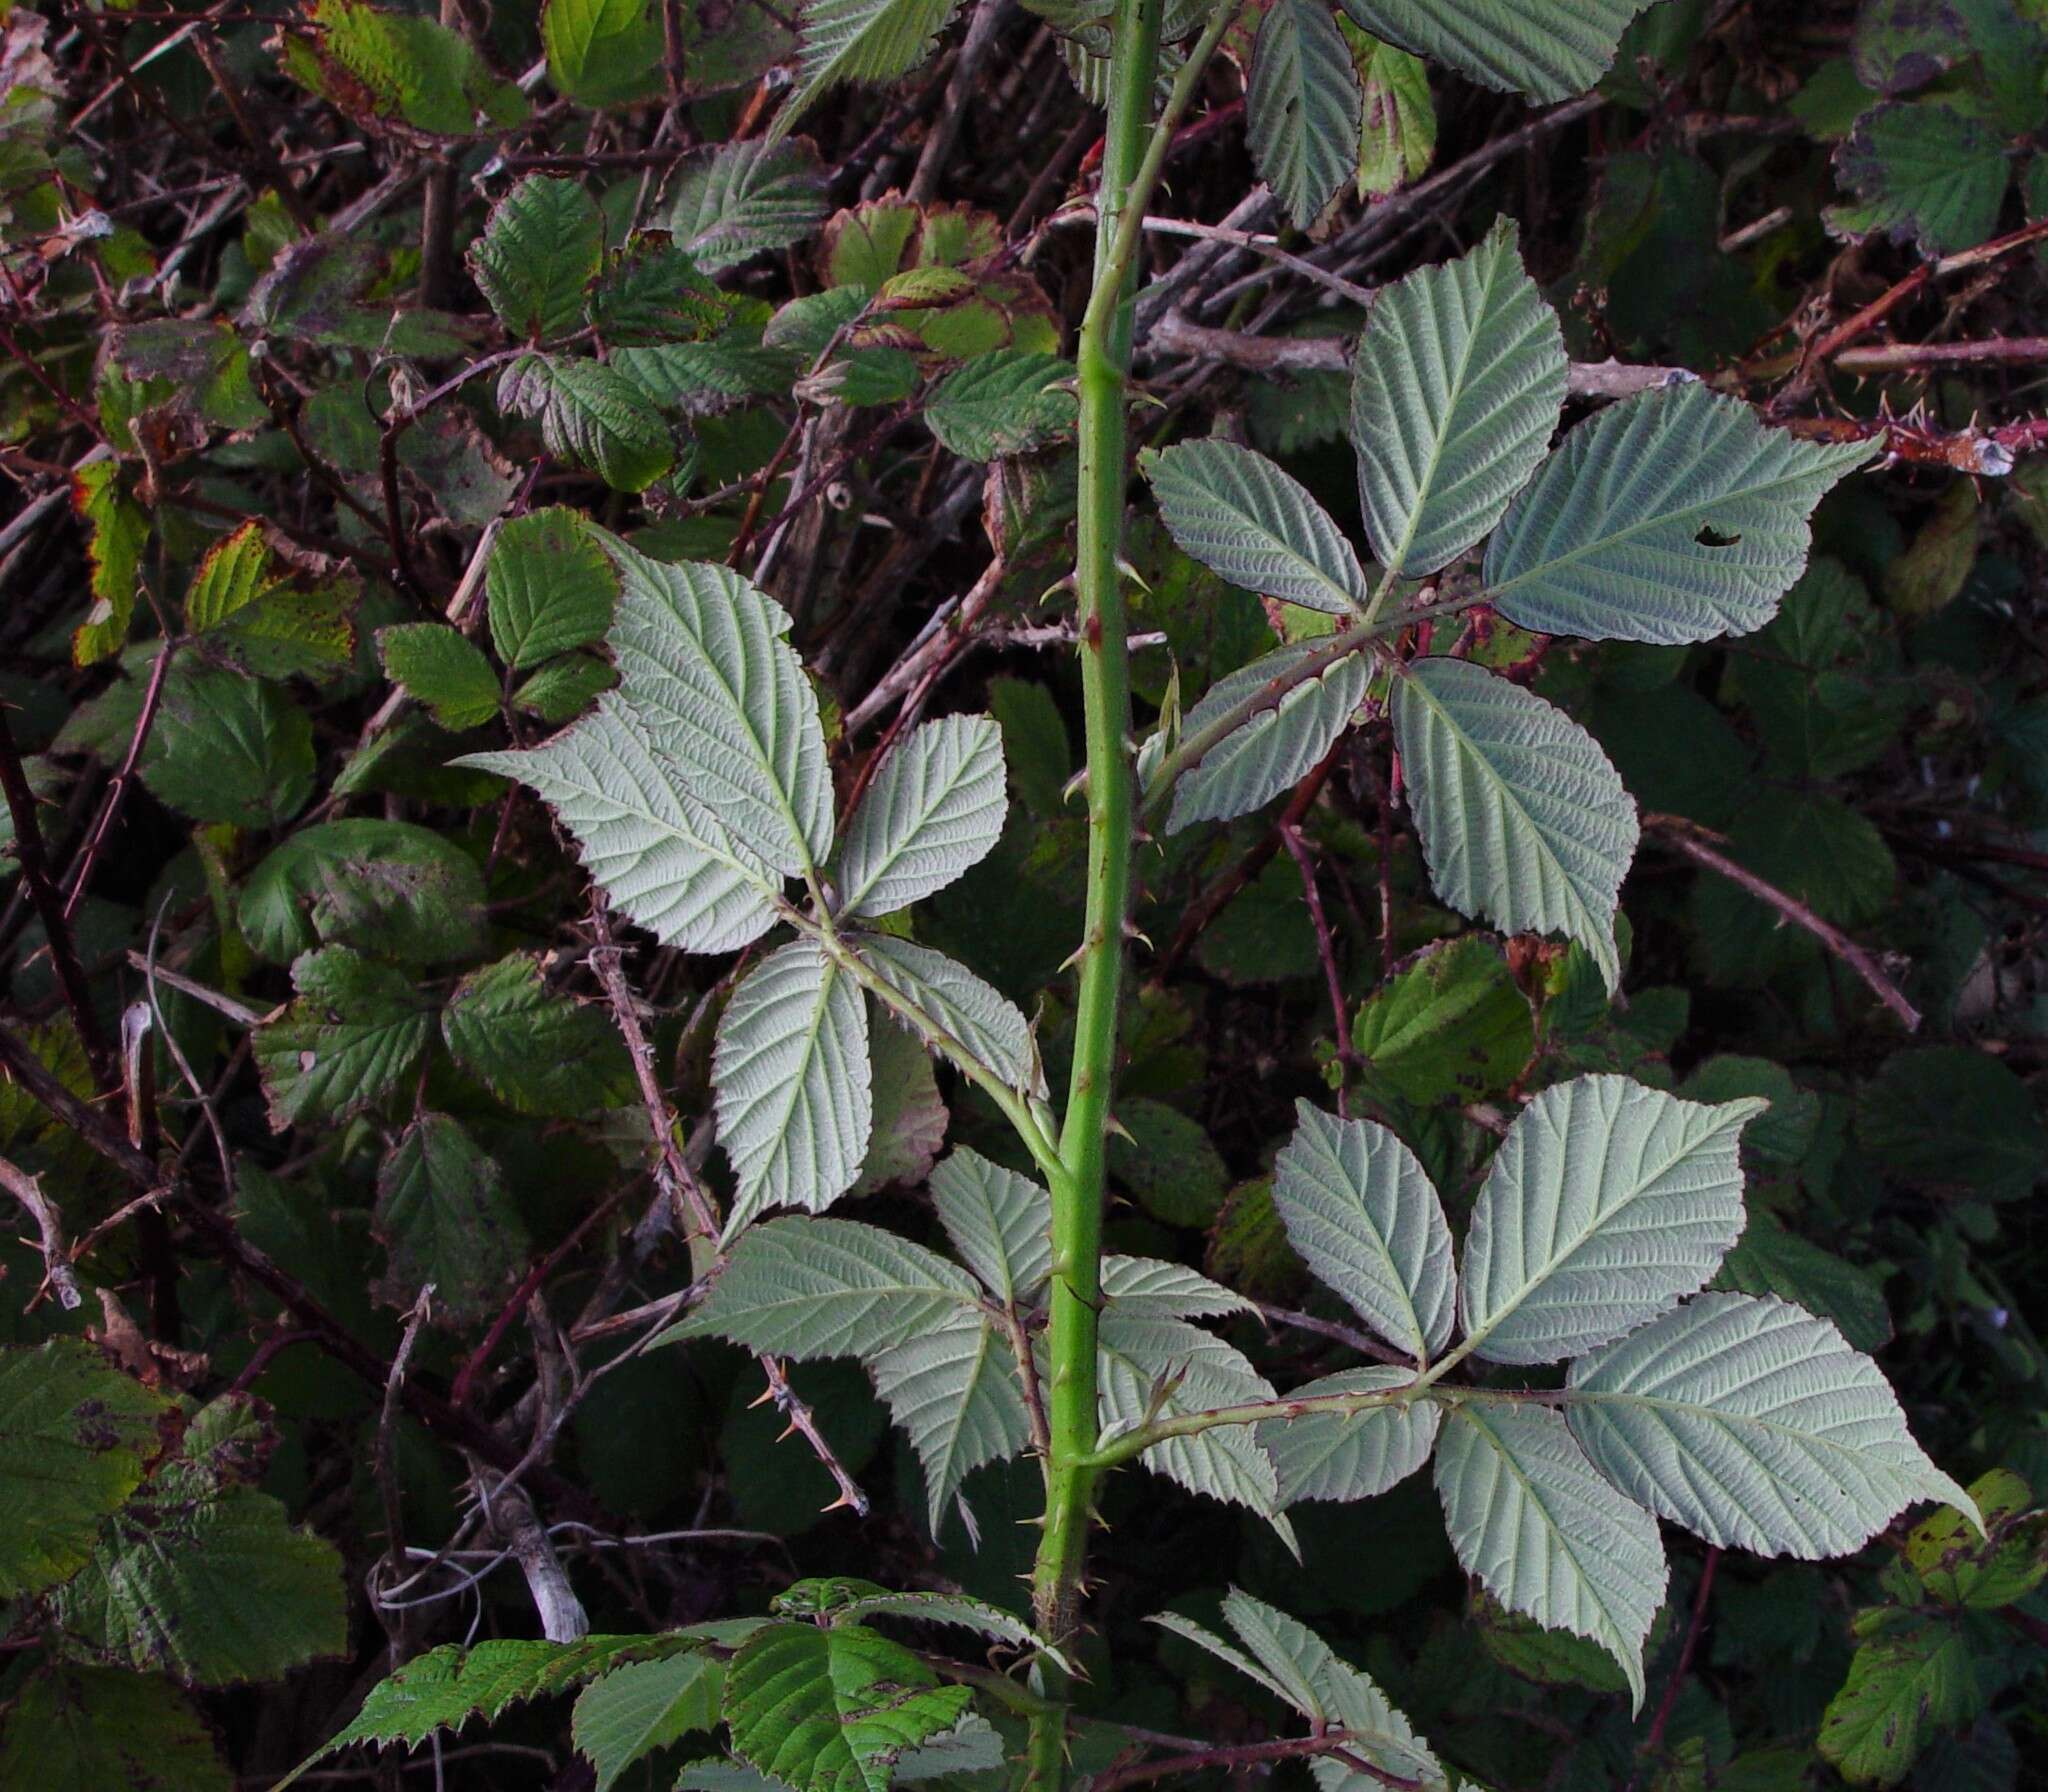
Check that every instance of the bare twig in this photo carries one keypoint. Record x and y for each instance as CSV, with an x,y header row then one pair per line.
x,y
1684,837
57,1276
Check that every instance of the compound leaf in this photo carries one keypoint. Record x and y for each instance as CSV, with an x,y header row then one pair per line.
x,y
1276,746
1350,1456
998,1222
1607,1203
953,1388
350,1039
1242,517
1755,1425
934,809
1547,49
1302,108
1673,516
75,1435
1366,1220
662,858
821,1287
1455,390
542,247
1544,1533
829,1710
1523,820
791,1069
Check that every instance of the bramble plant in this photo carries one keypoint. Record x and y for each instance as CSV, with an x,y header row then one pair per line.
x,y
1531,1260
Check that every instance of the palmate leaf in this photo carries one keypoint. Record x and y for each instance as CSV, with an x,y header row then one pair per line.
x,y
1673,516
1523,820
830,1710
643,1706
934,810
1366,1220
446,1687
953,1389
805,1288
539,252
1926,174
998,1222
1242,517
986,1025
349,1039
1457,385
602,52
211,1585
1153,1288
592,415
858,40
75,1434
743,199
1003,403
1533,1522
662,858
704,663
445,1214
78,1729
1354,1456
550,587
1302,108
1278,746
1607,1203
1755,1425
791,1070
1547,49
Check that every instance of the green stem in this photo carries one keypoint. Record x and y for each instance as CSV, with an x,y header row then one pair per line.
x,y
1104,362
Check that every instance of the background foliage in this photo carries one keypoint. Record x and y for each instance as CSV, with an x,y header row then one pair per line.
x,y
331,331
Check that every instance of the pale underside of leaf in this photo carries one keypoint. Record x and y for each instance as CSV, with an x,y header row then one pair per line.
x,y
1524,823
1277,747
1159,1289
1302,108
1755,1425
804,1288
791,1070
935,809
984,1024
999,1224
954,1391
1674,516
1455,390
1354,1456
1607,1203
1545,1534
1141,1355
703,661
1366,1220
1243,518
662,860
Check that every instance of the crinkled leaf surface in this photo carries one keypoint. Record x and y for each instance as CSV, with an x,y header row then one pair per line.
x,y
1606,1204
1533,1522
1455,390
1546,49
1302,108
1673,516
1366,1220
1754,1425
935,808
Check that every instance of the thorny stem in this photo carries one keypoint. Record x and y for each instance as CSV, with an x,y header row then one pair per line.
x,y
1134,153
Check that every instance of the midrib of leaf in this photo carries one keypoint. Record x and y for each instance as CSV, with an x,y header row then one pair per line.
x,y
1533,1494
1399,558
1503,793
1663,519
1559,1256
660,825
767,759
